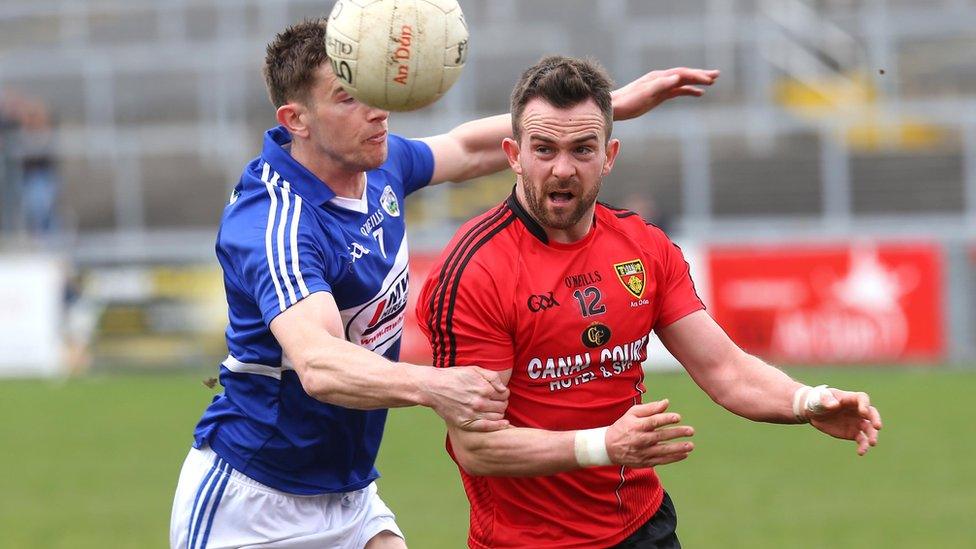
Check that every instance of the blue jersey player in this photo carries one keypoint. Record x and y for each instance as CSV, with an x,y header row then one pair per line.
x,y
314,253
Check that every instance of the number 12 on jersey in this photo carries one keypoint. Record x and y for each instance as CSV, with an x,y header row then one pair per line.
x,y
589,301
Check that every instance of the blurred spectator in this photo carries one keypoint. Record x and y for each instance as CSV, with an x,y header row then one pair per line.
x,y
28,143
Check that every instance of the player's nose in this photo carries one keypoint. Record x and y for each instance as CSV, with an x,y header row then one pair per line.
x,y
374,114
563,167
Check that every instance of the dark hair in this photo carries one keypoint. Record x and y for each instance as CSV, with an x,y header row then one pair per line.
x,y
292,59
563,82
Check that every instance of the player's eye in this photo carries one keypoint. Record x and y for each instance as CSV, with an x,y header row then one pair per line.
x,y
584,150
543,149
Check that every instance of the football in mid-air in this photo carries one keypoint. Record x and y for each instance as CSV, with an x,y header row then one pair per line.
x,y
397,55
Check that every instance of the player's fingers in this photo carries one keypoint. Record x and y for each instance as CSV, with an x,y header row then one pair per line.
x,y
484,406
862,443
696,76
665,449
870,431
875,418
673,458
686,91
863,405
484,425
663,84
494,379
671,433
660,420
649,409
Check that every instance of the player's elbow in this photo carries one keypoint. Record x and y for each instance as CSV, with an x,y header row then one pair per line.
x,y
316,381
473,457
477,467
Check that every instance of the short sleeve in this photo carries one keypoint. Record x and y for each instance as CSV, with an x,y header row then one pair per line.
x,y
460,313
413,160
679,297
282,259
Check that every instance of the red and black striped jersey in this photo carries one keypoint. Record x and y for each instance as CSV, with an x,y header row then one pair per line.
x,y
571,321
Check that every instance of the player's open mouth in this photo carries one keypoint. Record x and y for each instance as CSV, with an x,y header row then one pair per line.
x,y
377,138
561,197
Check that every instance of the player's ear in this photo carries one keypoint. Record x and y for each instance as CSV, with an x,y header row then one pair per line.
x,y
290,115
613,147
511,148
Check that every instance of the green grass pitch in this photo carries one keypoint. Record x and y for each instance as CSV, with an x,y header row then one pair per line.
x,y
92,462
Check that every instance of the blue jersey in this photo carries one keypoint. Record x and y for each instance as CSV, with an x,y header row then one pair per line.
x,y
284,236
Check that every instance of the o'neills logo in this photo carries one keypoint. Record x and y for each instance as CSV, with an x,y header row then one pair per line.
x,y
631,275
596,335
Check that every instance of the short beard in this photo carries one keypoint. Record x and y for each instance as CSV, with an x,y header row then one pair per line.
x,y
536,203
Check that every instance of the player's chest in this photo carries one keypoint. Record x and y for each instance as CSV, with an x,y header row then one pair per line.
x,y
370,254
586,302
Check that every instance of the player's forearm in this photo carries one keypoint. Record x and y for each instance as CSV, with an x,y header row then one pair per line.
x,y
748,387
481,143
338,372
515,452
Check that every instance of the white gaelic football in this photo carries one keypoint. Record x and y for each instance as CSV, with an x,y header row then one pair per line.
x,y
397,55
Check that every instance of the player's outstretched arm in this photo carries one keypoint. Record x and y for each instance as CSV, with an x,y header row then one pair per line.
x,y
642,437
473,149
338,372
747,386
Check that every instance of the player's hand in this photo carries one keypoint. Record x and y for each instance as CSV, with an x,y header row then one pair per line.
x,y
640,438
849,416
468,397
656,87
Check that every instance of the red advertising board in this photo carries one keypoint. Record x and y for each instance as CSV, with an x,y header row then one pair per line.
x,y
831,303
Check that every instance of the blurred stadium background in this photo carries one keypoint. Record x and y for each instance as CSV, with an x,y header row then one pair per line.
x,y
824,192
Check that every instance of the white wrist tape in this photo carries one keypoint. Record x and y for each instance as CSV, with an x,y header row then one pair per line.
x,y
808,400
591,447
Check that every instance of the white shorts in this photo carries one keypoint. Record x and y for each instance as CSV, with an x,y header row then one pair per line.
x,y
216,506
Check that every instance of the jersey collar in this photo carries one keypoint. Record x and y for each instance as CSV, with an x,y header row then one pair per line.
x,y
302,181
530,223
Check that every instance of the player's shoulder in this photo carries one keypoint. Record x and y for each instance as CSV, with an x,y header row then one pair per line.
x,y
630,222
261,206
487,232
484,244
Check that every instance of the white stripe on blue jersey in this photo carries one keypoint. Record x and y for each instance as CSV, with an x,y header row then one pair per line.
x,y
239,367
285,203
272,210
294,247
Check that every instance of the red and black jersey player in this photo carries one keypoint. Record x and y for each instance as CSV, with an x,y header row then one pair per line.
x,y
558,293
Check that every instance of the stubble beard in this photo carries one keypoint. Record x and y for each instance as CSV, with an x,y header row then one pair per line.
x,y
537,204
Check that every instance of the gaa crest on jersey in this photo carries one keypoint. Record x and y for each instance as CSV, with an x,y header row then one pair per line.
x,y
596,335
389,202
631,275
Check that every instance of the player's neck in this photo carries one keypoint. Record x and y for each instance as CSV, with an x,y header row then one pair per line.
x,y
573,234
342,181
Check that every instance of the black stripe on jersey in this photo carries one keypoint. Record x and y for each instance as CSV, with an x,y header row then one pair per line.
x,y
530,223
434,322
619,212
456,283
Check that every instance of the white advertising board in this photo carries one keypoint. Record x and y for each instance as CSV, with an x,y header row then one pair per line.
x,y
31,304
